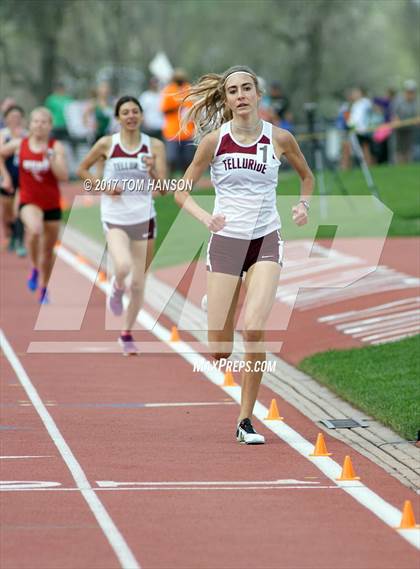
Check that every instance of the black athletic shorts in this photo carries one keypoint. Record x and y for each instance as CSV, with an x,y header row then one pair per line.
x,y
8,194
137,232
49,214
233,256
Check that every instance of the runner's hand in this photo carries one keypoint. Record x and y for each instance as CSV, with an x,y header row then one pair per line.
x,y
215,222
300,214
6,184
116,191
150,162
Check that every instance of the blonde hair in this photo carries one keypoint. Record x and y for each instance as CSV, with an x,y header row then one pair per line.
x,y
208,96
42,110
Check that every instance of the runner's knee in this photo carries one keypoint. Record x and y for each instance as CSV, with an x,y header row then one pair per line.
x,y
122,270
250,335
136,286
218,355
34,228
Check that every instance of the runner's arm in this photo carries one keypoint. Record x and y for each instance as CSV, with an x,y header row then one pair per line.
x,y
201,161
157,162
98,153
10,147
58,162
286,144
5,178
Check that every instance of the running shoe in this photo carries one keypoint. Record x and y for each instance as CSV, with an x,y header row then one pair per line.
x,y
115,304
245,433
11,245
20,249
32,282
126,341
204,303
43,296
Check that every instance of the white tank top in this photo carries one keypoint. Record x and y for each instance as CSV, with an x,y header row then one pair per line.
x,y
135,204
245,178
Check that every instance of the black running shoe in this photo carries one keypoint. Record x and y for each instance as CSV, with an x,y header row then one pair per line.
x,y
245,433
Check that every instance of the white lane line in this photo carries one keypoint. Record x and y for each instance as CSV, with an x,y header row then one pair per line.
x,y
412,330
16,457
110,530
174,488
383,308
113,484
195,404
366,497
177,489
382,326
392,339
378,319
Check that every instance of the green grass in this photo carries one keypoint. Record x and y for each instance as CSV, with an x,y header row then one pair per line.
x,y
382,381
399,190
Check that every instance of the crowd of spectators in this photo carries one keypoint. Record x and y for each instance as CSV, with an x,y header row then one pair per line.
x,y
384,126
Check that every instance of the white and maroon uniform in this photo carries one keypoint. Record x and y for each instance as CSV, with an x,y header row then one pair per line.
x,y
245,179
133,207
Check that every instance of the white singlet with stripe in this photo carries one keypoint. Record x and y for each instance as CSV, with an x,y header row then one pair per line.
x,y
245,180
135,204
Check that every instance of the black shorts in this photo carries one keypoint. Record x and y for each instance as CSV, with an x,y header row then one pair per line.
x,y
49,214
364,139
137,232
8,194
236,256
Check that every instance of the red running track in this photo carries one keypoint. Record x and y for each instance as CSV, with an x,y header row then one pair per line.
x,y
96,400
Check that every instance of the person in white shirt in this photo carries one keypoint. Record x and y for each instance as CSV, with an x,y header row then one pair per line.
x,y
152,115
359,120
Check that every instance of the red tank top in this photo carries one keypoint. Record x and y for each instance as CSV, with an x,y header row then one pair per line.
x,y
38,184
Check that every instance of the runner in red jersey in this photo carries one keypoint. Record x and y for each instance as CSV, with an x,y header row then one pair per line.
x,y
42,164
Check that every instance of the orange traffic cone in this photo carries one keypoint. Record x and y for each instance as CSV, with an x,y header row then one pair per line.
x,y
320,447
348,472
101,277
229,381
408,521
273,412
175,334
81,259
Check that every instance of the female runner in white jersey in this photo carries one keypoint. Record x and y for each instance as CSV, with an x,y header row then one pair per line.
x,y
130,160
244,155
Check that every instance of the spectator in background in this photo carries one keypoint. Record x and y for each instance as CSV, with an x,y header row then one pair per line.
x,y
152,115
56,104
179,142
286,122
342,124
9,184
381,134
359,120
99,111
278,101
5,104
406,107
386,103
